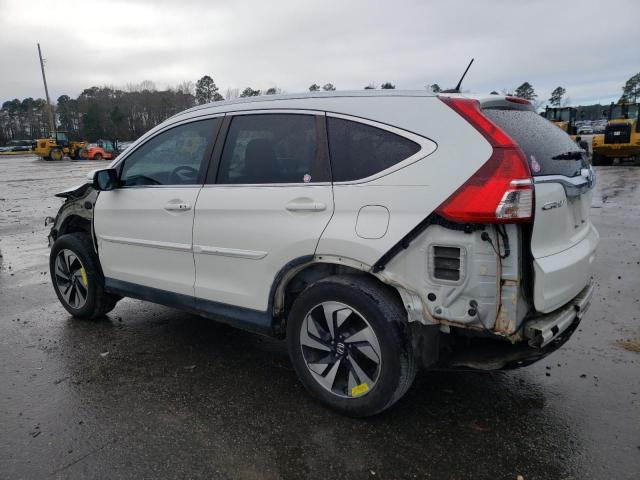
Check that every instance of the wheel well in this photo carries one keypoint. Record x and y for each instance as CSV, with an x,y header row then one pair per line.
x,y
311,273
73,224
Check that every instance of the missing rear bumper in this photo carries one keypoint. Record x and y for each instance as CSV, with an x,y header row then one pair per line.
x,y
545,335
541,331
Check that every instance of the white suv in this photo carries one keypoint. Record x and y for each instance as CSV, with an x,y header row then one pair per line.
x,y
375,231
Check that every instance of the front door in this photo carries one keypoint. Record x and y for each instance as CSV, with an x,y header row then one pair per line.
x,y
268,207
144,227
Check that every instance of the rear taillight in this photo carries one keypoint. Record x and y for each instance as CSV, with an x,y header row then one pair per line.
x,y
501,191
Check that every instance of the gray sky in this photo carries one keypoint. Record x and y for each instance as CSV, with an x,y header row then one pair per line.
x,y
588,46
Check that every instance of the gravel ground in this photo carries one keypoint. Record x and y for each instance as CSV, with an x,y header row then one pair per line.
x,y
151,392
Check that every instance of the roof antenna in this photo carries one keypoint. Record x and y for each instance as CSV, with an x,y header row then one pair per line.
x,y
457,89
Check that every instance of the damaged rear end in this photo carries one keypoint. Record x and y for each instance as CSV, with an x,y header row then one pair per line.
x,y
501,273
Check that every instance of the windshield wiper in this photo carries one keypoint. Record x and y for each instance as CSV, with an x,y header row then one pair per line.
x,y
574,155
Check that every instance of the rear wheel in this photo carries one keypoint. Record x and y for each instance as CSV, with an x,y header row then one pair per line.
x,y
56,154
347,342
97,156
77,279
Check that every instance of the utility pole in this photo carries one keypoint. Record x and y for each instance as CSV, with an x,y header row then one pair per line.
x,y
52,124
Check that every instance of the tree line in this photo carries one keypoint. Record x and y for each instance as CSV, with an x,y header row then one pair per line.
x,y
127,113
630,93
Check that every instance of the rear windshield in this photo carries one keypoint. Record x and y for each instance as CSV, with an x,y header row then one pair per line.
x,y
549,149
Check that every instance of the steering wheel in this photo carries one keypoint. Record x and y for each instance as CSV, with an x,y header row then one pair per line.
x,y
183,174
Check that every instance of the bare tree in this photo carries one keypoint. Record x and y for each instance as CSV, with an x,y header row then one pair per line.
x,y
232,93
147,85
186,87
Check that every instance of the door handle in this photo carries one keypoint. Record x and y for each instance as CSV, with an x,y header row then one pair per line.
x,y
172,207
305,205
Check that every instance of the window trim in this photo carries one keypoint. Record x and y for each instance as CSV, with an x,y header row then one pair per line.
x,y
213,174
204,163
427,146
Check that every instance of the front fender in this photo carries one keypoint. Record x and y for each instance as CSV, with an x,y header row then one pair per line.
x,y
78,207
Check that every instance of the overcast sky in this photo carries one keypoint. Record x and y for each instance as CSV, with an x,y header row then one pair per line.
x,y
590,47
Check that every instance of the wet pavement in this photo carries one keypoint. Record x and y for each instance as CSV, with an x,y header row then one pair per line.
x,y
151,392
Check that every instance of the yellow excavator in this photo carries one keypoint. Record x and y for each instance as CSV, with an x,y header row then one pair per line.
x,y
56,147
621,138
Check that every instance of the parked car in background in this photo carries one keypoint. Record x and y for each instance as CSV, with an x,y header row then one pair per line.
x,y
599,126
102,150
19,146
585,129
374,231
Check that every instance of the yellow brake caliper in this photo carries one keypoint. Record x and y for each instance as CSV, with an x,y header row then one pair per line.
x,y
83,274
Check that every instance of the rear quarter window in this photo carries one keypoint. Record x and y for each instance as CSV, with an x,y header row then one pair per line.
x,y
358,150
549,150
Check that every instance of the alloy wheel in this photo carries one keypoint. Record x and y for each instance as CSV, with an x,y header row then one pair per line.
x,y
340,349
71,278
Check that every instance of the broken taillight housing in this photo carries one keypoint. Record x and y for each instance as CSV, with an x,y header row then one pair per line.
x,y
501,191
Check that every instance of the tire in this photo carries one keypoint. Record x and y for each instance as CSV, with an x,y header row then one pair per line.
x,y
56,154
358,386
80,154
69,255
97,156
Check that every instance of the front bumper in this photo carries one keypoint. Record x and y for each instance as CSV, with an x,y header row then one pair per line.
x,y
616,149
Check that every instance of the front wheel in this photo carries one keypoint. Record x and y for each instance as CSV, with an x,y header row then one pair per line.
x,y
97,156
76,277
347,342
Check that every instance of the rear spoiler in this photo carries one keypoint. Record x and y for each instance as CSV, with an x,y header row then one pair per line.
x,y
503,102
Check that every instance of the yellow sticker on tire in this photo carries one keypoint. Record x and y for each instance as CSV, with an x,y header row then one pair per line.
x,y
359,389
83,274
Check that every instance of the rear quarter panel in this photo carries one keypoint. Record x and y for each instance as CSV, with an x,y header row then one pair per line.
x,y
411,193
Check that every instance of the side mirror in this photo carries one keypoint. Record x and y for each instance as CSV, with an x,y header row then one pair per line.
x,y
104,180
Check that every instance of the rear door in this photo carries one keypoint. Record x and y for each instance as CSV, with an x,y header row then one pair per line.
x,y
267,206
563,240
144,227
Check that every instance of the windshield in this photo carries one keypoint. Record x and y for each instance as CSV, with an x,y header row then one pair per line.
x,y
549,150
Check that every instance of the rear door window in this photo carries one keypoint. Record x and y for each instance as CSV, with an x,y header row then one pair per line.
x,y
274,148
359,150
549,150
